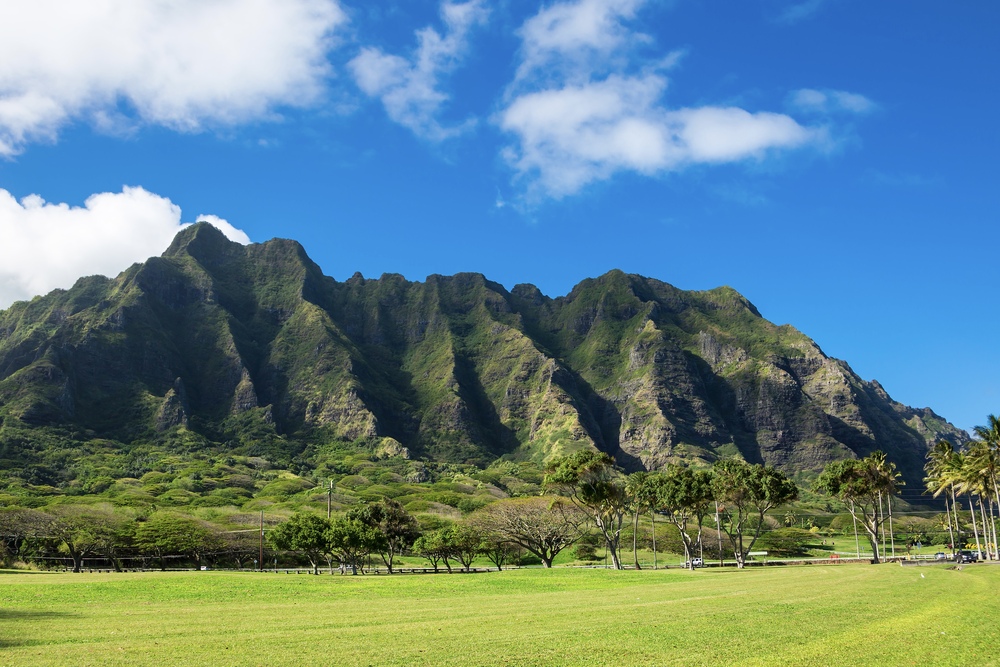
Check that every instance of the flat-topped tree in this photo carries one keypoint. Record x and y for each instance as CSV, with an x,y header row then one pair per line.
x,y
541,525
747,491
592,481
861,484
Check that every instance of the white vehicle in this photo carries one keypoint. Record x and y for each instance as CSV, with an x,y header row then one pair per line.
x,y
695,562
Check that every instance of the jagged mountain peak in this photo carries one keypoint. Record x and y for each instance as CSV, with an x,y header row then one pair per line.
x,y
253,348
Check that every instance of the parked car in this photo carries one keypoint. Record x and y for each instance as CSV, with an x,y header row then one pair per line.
x,y
940,556
967,556
695,562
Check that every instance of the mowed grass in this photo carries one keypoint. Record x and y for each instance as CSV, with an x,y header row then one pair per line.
x,y
830,615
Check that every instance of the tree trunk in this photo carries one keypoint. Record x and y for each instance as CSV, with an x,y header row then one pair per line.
x,y
975,530
652,522
951,534
615,559
77,560
872,530
958,526
986,529
547,562
881,522
892,538
996,544
635,540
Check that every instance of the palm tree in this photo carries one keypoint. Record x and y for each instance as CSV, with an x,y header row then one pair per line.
x,y
987,459
890,480
967,481
642,491
940,467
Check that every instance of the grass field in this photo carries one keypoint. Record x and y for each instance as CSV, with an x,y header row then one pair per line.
x,y
830,615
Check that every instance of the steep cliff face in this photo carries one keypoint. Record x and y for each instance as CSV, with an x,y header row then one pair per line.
x,y
250,345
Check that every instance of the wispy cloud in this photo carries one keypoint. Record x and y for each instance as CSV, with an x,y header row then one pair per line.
x,y
799,11
830,101
583,107
48,246
183,64
410,89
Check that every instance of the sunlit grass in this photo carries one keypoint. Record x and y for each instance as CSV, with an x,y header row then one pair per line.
x,y
844,614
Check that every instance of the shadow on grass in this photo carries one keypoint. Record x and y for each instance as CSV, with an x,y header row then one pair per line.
x,y
11,615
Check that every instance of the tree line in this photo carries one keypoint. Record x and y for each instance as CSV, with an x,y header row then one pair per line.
x,y
971,473
589,492
118,537
585,494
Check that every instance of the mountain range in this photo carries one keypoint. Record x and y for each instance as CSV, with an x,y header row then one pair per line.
x,y
253,348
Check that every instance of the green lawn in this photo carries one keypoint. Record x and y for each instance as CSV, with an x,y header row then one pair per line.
x,y
830,615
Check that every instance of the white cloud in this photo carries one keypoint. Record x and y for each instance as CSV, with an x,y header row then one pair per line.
x,y
830,101
183,64
48,246
410,89
569,33
584,123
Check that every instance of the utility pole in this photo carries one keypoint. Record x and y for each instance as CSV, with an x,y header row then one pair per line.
x,y
329,499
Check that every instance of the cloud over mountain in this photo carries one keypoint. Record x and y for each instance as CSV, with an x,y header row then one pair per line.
x,y
48,246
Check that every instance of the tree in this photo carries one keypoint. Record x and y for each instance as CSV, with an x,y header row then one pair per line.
x,y
684,494
304,532
597,487
351,539
860,484
398,527
21,526
969,480
243,546
465,542
986,459
748,491
640,488
169,534
435,547
498,550
941,469
86,530
541,525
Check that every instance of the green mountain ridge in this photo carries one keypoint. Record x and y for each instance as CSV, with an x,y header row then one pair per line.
x,y
252,349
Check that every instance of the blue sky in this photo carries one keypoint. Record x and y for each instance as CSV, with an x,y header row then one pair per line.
x,y
833,160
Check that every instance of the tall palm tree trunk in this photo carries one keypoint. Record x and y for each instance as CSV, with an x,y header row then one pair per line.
x,y
958,526
972,511
652,523
986,529
635,540
951,534
881,523
857,542
892,538
996,494
993,526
